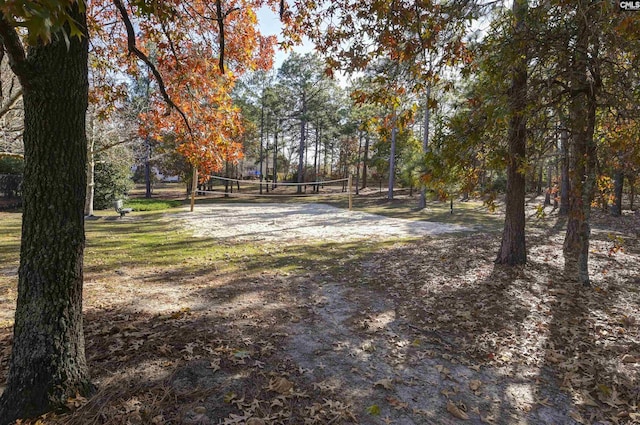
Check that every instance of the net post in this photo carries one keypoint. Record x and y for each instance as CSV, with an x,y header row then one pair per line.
x,y
194,186
350,192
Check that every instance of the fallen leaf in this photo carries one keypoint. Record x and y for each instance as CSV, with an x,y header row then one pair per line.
x,y
555,357
474,384
456,411
214,365
280,385
385,383
397,404
576,417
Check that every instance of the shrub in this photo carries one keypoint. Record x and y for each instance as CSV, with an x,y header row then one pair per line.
x,y
112,177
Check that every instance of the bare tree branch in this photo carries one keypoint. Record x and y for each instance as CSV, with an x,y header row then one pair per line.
x,y
131,45
112,145
220,17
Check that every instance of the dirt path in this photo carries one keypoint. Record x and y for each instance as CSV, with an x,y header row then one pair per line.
x,y
374,358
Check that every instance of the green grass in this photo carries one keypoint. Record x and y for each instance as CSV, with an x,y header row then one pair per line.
x,y
10,226
138,204
151,241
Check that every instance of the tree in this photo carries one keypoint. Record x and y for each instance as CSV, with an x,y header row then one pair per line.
x,y
513,248
418,38
112,176
47,364
303,78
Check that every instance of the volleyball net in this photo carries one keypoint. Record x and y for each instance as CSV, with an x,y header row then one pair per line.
x,y
244,188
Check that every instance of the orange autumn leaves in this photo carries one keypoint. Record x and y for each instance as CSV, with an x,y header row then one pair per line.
x,y
188,42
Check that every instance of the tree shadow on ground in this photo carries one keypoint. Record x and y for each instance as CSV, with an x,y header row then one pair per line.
x,y
367,332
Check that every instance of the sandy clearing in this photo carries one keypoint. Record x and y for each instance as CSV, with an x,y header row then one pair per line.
x,y
273,222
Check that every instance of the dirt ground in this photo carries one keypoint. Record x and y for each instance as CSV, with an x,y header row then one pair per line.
x,y
366,327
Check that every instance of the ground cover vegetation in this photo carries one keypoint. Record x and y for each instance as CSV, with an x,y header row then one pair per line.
x,y
542,99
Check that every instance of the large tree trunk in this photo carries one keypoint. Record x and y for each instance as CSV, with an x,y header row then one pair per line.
x,y
513,248
47,364
582,111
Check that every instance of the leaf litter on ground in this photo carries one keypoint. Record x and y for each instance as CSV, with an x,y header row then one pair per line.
x,y
423,331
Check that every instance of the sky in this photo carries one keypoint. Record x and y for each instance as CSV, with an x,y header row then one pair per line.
x,y
270,25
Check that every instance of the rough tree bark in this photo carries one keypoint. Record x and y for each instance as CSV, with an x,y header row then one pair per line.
x,y
618,186
513,248
47,364
565,184
365,161
582,112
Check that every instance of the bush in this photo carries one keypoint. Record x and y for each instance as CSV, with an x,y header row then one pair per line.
x,y
498,184
112,177
11,165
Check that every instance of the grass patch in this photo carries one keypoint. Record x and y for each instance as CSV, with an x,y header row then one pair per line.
x,y
138,204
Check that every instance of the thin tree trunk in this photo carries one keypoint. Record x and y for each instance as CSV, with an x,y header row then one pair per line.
x,y
261,138
618,185
365,161
513,248
392,160
358,162
422,203
539,183
547,197
47,364
147,169
301,147
316,187
632,191
91,171
565,182
275,157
